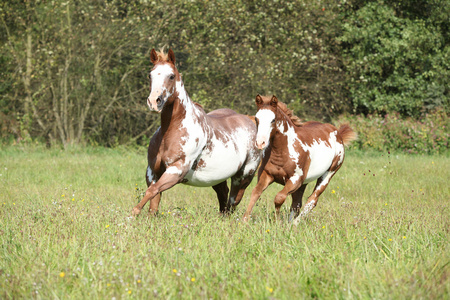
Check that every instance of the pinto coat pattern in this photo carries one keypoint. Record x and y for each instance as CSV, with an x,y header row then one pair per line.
x,y
295,154
192,147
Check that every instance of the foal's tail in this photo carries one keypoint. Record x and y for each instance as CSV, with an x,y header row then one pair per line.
x,y
347,134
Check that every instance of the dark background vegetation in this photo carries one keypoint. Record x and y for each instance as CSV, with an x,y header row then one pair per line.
x,y
75,72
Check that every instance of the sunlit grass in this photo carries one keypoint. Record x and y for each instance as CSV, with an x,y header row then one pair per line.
x,y
380,230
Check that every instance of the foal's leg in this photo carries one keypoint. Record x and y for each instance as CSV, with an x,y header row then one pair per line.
x,y
264,181
321,185
297,202
222,194
166,181
288,189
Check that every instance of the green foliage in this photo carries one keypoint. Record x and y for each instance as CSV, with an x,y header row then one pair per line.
x,y
66,235
429,135
75,72
396,64
83,71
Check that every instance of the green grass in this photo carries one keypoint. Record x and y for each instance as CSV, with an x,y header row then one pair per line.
x,y
380,230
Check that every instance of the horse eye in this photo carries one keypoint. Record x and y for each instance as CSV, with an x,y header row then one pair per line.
x,y
172,77
149,76
273,121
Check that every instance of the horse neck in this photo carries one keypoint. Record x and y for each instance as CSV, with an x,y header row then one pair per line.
x,y
181,108
283,125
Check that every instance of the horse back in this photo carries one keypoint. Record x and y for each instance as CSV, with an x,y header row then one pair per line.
x,y
229,120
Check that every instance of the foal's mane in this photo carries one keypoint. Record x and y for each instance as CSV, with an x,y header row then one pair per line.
x,y
296,120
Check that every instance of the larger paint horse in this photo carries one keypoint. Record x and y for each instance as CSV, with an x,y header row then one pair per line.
x,y
193,147
295,154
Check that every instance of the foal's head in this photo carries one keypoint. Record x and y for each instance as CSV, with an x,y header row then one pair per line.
x,y
265,119
163,78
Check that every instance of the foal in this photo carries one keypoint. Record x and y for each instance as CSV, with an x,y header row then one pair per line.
x,y
295,154
193,147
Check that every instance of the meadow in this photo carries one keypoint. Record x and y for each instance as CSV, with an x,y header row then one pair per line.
x,y
379,231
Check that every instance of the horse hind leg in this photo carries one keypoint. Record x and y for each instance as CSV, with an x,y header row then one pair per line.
x,y
321,185
221,190
296,202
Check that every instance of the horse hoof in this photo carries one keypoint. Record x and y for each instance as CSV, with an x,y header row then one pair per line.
x,y
136,211
296,221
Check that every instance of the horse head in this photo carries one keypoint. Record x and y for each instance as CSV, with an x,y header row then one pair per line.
x,y
265,119
163,78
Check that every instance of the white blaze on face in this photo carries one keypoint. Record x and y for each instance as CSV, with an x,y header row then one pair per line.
x,y
159,77
266,120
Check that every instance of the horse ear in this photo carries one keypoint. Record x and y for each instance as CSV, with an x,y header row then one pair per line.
x,y
171,56
258,100
274,101
153,56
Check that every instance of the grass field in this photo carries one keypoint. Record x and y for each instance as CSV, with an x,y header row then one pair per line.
x,y
380,230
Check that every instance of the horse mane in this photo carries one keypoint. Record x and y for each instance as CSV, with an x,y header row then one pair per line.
x,y
296,120
162,57
198,105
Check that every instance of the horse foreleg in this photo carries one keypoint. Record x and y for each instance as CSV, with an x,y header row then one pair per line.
x,y
296,202
321,185
166,181
264,181
154,203
288,189
221,190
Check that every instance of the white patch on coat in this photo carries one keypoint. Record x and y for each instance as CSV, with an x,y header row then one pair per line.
x,y
325,179
173,170
149,174
321,155
265,118
292,138
223,160
298,173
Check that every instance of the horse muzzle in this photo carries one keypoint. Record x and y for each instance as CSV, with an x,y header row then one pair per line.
x,y
261,144
155,105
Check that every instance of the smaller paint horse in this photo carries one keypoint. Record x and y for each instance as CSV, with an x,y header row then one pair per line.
x,y
192,147
295,154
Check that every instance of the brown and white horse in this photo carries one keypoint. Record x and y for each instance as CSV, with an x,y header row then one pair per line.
x,y
193,147
295,154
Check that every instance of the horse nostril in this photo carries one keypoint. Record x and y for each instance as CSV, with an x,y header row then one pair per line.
x,y
158,100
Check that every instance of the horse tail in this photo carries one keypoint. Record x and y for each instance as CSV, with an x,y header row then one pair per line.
x,y
347,134
252,118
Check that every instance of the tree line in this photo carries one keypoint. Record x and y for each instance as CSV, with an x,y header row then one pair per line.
x,y
76,71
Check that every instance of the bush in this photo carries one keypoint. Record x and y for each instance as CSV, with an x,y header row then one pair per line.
x,y
396,63
428,135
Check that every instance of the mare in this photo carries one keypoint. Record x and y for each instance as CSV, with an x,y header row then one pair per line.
x,y
192,147
295,154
